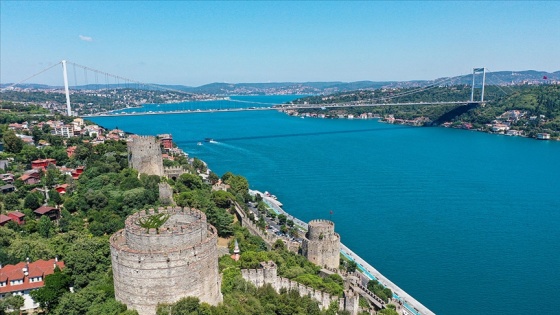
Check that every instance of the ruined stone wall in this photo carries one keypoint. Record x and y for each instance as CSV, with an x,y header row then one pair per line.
x,y
178,260
267,274
321,245
173,172
144,155
165,194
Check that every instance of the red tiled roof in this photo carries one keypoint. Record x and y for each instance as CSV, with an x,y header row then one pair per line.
x,y
4,219
39,268
44,209
17,214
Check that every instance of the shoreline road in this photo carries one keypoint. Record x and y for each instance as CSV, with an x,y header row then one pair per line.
x,y
411,305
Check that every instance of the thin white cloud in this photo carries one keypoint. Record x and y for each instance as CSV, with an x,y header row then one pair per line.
x,y
86,38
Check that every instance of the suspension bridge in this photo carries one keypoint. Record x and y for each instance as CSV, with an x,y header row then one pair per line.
x,y
96,93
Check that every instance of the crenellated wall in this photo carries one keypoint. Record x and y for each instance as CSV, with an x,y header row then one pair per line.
x,y
179,259
267,274
144,155
173,172
321,245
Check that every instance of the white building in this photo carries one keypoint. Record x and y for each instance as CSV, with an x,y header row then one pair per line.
x,y
24,277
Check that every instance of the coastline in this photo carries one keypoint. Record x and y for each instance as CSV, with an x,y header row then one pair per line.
x,y
417,122
410,303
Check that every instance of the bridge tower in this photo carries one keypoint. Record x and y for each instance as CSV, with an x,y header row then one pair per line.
x,y
475,72
66,91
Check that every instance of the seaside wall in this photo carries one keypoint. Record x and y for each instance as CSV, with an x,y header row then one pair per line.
x,y
267,274
178,260
268,238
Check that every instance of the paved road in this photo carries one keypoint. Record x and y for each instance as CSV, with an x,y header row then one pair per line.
x,y
410,303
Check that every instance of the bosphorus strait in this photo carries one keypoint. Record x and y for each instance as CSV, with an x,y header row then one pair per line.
x,y
466,222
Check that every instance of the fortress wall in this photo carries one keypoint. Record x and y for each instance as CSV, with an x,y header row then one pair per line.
x,y
318,229
144,155
260,277
321,245
162,268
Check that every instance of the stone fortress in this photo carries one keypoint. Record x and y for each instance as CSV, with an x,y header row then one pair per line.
x,y
321,245
162,266
267,274
144,155
180,259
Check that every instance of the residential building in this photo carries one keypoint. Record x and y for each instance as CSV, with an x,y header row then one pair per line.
x,y
24,277
8,188
42,163
31,177
66,131
51,212
4,219
17,217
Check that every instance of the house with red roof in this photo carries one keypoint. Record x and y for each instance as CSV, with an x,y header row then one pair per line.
x,y
24,277
4,219
42,163
17,217
31,177
61,189
51,212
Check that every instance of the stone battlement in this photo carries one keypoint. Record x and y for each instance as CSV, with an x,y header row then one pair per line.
x,y
180,220
267,274
150,266
321,244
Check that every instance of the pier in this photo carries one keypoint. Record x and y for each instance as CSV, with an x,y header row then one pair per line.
x,y
410,305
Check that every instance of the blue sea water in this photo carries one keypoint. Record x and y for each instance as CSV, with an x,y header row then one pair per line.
x,y
466,222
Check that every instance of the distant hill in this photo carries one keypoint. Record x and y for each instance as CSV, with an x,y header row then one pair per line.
x,y
313,88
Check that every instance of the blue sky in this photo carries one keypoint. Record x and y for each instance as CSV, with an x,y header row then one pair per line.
x,y
195,43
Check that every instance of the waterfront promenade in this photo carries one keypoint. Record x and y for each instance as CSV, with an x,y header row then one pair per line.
x,y
410,305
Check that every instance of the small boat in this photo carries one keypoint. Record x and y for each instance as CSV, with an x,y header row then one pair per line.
x,y
199,143
208,139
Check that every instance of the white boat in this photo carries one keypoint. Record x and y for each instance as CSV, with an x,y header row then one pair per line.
x,y
199,143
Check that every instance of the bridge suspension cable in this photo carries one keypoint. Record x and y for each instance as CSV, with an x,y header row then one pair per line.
x,y
31,77
116,77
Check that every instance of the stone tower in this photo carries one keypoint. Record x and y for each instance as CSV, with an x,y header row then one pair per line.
x,y
144,155
178,260
321,245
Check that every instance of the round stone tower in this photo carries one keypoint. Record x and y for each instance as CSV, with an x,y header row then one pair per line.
x,y
321,245
179,259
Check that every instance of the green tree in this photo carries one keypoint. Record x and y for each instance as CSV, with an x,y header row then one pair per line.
x,y
55,197
45,227
282,219
11,201
52,176
13,302
12,143
191,181
29,153
87,259
33,200
221,220
351,266
222,198
56,285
